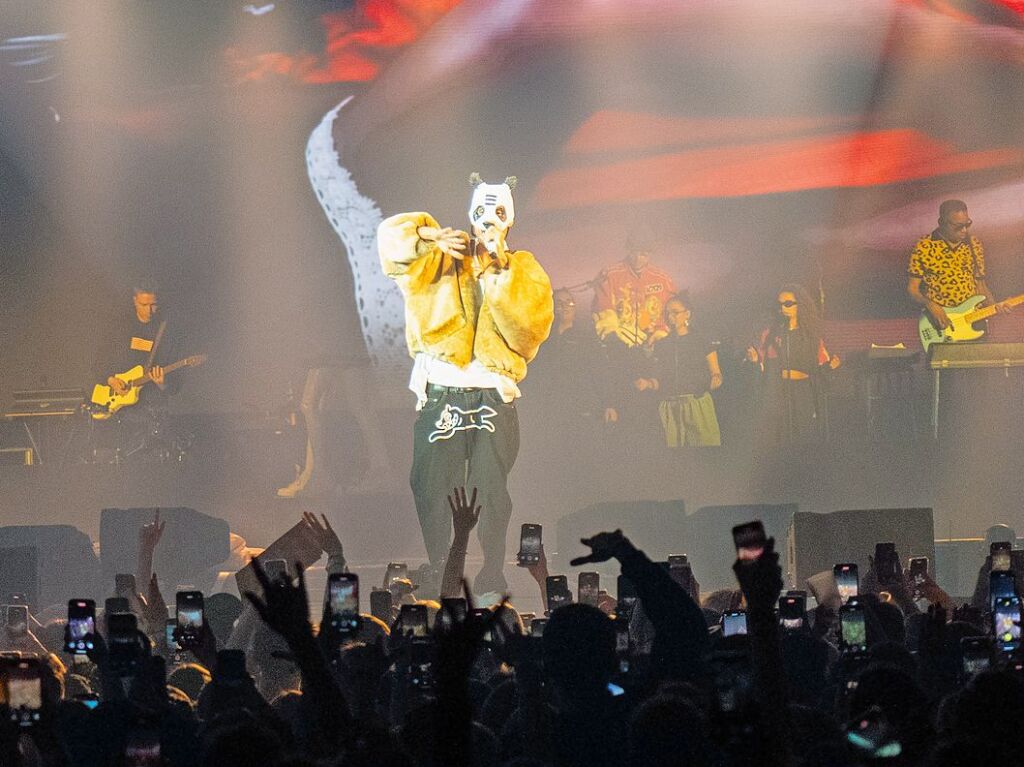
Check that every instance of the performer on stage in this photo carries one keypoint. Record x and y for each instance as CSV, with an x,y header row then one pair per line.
x,y
948,266
630,296
146,337
685,372
476,313
792,355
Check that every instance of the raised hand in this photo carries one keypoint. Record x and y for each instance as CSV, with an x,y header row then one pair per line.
x,y
464,513
149,534
452,242
603,547
284,606
325,535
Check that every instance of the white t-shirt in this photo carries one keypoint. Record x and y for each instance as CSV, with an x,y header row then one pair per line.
x,y
427,369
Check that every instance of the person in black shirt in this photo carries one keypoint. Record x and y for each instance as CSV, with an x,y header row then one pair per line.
x,y
135,346
791,353
685,372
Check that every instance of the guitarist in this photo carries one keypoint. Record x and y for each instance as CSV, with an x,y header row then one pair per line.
x,y
948,266
143,331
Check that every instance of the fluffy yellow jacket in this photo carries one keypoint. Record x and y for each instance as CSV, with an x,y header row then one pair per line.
x,y
500,320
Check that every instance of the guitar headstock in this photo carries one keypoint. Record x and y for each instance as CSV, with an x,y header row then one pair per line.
x,y
195,360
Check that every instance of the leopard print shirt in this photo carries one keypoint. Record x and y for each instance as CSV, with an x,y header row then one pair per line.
x,y
950,275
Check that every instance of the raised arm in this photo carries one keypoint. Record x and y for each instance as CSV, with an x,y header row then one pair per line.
x,y
465,514
681,639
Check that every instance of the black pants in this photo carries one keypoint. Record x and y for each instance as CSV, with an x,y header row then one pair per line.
x,y
464,437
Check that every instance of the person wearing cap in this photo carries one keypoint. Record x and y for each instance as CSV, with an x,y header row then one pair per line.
x,y
476,313
629,297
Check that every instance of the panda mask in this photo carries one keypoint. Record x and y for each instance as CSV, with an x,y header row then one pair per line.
x,y
492,212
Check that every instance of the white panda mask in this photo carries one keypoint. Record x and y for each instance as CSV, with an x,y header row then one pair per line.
x,y
492,212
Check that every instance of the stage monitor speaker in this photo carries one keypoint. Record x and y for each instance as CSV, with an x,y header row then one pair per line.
x,y
67,566
817,541
657,527
709,538
192,544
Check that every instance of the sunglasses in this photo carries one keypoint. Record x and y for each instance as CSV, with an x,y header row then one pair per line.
x,y
787,304
966,225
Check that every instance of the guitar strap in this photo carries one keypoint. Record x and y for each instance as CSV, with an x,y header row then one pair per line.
x,y
156,345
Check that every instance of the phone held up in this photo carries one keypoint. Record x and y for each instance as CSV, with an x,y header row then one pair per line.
x,y
847,580
343,598
750,541
21,691
81,626
530,546
189,608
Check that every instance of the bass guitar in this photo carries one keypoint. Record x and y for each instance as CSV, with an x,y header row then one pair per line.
x,y
109,401
962,320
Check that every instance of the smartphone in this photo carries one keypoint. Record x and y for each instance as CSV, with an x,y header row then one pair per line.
x,y
1006,623
142,749
918,569
17,621
537,626
231,667
750,540
887,563
274,569
1001,584
847,580
977,655
172,643
124,584
189,615
853,633
681,573
396,571
588,584
626,592
123,642
558,592
529,545
678,560
734,622
792,611
421,662
413,620
453,612
343,597
21,689
380,605
482,614
81,622
1000,551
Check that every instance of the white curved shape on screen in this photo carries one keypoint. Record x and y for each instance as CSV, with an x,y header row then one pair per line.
x,y
355,218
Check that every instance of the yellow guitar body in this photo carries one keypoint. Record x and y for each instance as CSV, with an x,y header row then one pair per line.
x,y
110,400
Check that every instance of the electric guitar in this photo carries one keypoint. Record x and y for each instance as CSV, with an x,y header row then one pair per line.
x,y
109,401
961,321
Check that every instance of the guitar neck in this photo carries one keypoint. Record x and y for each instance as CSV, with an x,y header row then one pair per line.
x,y
987,311
146,378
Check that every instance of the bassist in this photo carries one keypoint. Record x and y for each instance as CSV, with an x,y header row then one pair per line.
x,y
948,266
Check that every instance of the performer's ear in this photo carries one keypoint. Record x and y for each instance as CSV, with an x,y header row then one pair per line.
x,y
475,179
